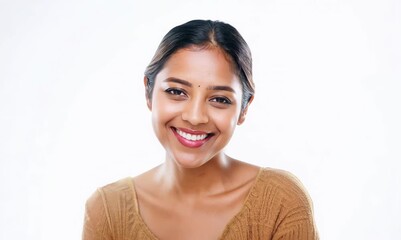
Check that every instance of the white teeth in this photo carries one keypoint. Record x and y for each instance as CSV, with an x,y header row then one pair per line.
x,y
191,136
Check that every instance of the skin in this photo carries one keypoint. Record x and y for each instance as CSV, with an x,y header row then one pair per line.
x,y
197,190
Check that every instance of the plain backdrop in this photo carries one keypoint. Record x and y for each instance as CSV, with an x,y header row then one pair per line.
x,y
73,115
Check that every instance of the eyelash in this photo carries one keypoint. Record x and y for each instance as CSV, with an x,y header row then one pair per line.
x,y
222,100
175,91
180,92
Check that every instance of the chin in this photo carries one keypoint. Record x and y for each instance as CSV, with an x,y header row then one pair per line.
x,y
188,161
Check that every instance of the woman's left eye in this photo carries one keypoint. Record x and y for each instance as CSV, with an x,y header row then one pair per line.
x,y
222,100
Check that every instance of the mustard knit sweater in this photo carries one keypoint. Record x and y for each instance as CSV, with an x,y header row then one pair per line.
x,y
277,207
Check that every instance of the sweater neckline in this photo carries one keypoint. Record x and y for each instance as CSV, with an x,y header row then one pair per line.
x,y
226,228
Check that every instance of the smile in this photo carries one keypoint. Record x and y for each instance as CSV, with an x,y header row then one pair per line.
x,y
192,139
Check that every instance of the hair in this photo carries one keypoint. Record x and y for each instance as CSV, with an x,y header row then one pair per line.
x,y
203,34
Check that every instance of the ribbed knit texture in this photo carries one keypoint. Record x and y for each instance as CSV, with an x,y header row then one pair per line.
x,y
277,208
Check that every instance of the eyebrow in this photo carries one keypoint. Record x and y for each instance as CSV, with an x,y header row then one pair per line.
x,y
221,88
177,80
186,83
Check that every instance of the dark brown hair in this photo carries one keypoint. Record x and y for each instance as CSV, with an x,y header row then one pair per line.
x,y
204,33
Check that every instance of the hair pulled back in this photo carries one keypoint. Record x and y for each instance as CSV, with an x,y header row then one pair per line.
x,y
205,33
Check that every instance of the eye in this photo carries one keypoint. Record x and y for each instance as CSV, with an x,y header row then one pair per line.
x,y
175,91
222,100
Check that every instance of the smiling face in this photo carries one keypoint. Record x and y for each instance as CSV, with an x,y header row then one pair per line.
x,y
196,105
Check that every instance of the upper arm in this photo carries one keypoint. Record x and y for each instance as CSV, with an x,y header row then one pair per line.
x,y
296,220
298,224
96,220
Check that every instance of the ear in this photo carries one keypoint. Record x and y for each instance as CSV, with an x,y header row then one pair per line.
x,y
243,113
148,100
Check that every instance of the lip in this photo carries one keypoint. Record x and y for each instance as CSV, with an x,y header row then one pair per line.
x,y
191,143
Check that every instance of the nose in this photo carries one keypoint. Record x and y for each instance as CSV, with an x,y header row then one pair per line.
x,y
195,112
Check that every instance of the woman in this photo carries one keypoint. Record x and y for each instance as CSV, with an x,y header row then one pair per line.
x,y
199,87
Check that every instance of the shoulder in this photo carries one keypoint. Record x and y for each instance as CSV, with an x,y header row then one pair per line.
x,y
105,208
285,186
104,196
116,188
283,197
112,193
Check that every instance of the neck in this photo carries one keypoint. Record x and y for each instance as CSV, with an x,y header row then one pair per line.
x,y
210,178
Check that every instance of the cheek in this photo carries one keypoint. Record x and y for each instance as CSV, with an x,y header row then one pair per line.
x,y
225,121
163,111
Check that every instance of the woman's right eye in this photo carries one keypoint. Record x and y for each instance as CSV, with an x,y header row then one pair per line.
x,y
174,91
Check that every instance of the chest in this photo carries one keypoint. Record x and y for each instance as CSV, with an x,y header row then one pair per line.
x,y
204,219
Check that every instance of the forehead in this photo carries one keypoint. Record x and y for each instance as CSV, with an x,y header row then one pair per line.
x,y
209,66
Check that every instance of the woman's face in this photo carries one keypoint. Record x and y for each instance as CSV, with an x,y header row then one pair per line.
x,y
196,105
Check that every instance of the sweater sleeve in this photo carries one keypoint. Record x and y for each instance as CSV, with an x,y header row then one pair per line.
x,y
96,220
296,221
298,225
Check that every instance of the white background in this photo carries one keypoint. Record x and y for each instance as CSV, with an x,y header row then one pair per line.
x,y
73,115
